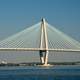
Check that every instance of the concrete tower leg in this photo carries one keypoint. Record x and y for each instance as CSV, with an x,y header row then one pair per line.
x,y
41,57
46,58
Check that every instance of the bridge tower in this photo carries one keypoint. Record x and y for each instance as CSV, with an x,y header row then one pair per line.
x,y
43,43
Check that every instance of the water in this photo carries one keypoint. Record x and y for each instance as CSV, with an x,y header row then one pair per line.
x,y
40,73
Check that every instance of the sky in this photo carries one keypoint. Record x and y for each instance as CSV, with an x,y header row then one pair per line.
x,y
16,15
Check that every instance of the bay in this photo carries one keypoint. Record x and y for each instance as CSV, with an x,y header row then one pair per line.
x,y
57,72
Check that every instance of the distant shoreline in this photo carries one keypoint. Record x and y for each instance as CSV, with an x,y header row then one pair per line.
x,y
35,64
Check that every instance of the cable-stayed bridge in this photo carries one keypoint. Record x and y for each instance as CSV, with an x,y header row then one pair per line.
x,y
41,37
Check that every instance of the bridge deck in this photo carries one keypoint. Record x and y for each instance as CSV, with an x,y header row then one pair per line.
x,y
38,49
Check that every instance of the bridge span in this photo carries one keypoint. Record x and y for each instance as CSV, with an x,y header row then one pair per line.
x,y
41,37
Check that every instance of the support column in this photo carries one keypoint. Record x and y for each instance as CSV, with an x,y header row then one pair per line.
x,y
41,45
46,58
41,57
46,43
